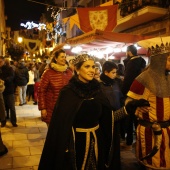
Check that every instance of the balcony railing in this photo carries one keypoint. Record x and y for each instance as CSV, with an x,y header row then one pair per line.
x,y
132,13
129,6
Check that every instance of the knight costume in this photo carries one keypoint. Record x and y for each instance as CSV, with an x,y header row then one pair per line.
x,y
153,131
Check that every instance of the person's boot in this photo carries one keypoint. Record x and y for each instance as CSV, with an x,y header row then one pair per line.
x,y
3,148
14,124
3,123
35,103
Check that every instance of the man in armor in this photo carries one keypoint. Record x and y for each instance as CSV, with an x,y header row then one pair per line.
x,y
153,130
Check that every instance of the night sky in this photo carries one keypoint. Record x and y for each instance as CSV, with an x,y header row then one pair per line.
x,y
18,11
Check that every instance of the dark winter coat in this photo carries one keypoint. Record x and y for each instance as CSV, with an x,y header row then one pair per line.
x,y
21,75
7,75
111,89
133,67
2,108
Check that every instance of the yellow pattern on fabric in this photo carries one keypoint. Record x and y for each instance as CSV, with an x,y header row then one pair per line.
x,y
141,135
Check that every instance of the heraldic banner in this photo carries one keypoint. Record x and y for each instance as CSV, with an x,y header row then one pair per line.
x,y
102,18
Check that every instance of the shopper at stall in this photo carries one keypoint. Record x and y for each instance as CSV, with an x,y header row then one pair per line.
x,y
134,65
121,71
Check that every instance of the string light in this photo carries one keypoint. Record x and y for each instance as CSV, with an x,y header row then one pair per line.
x,y
76,49
54,28
31,25
66,46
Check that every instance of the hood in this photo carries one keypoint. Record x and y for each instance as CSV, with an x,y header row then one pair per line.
x,y
154,78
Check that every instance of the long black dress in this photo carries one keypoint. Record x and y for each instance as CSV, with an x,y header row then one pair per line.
x,y
80,134
87,117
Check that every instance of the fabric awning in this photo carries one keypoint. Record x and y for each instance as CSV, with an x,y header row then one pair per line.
x,y
103,39
100,40
154,41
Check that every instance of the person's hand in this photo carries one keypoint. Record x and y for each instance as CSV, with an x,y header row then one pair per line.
x,y
43,114
140,111
132,105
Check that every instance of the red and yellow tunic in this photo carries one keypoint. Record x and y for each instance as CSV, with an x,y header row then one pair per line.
x,y
159,111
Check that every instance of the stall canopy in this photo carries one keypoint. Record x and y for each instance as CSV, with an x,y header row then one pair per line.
x,y
154,41
101,40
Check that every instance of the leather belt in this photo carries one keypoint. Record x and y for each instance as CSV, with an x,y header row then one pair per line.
x,y
163,124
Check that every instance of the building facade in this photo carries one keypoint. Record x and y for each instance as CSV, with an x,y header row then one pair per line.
x,y
2,28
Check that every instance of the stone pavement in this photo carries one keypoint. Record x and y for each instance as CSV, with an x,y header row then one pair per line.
x,y
129,162
26,141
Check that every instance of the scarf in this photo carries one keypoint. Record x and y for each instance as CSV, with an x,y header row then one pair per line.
x,y
58,67
84,90
106,80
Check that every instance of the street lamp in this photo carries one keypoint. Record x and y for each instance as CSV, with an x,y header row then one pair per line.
x,y
20,39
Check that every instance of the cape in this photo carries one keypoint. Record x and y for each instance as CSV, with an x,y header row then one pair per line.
x,y
60,128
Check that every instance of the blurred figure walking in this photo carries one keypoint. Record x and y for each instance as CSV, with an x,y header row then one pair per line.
x,y
7,75
3,149
37,83
21,80
31,82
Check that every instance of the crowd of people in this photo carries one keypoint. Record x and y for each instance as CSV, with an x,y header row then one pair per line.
x,y
92,110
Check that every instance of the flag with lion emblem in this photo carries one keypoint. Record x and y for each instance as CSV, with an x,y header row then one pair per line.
x,y
102,18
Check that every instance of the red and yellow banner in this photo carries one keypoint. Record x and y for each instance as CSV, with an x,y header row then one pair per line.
x,y
102,18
